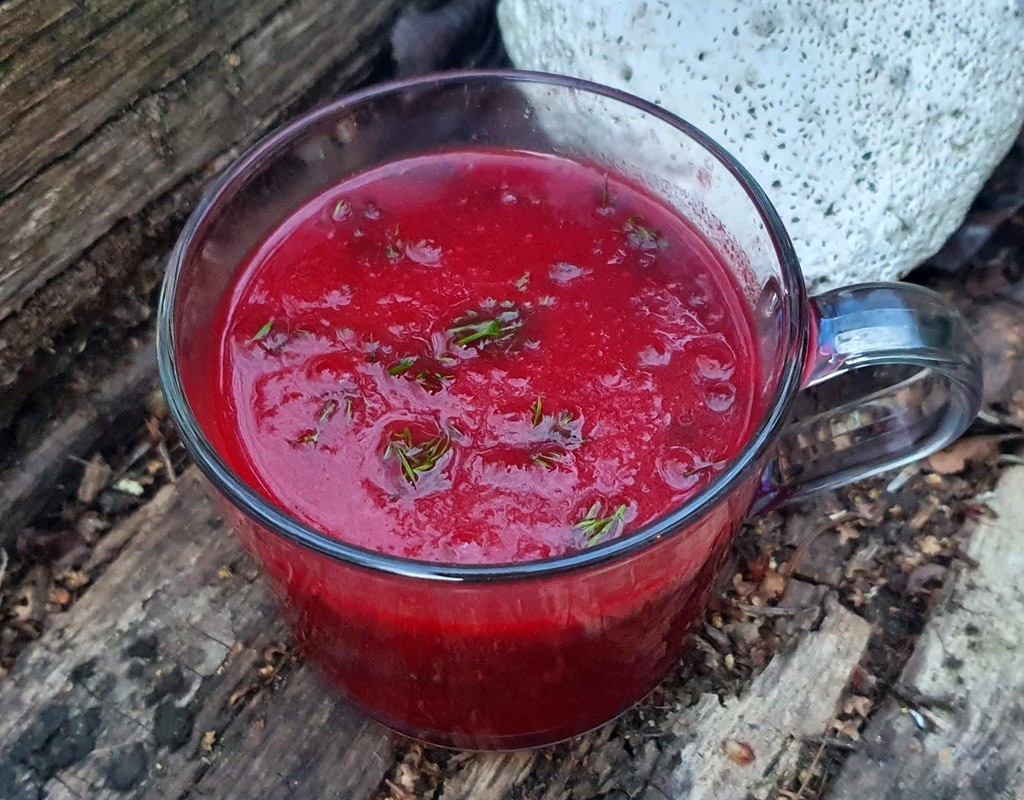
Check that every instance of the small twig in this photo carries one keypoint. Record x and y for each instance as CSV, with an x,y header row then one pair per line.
x,y
912,697
991,417
789,568
133,458
828,741
166,458
772,611
970,561
810,772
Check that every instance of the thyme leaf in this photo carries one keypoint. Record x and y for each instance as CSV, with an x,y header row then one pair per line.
x,y
328,411
594,527
417,458
547,459
263,332
641,236
537,407
403,366
483,332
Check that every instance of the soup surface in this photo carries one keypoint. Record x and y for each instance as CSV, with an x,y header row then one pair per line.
x,y
483,357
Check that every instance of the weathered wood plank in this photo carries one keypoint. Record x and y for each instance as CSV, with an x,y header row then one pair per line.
x,y
156,142
302,744
166,680
28,484
956,731
32,18
794,698
59,88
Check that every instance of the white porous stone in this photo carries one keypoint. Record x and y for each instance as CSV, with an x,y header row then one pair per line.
x,y
872,125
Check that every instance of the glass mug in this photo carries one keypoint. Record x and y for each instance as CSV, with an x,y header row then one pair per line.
x,y
525,654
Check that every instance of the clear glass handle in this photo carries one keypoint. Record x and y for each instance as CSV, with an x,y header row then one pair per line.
x,y
921,392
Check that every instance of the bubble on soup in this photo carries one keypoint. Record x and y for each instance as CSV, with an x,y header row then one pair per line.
x,y
721,400
714,369
679,468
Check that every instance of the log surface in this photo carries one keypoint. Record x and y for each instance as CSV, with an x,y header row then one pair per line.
x,y
954,732
171,677
113,115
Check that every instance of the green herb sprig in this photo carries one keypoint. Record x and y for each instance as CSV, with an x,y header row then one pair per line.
x,y
537,409
327,412
417,458
472,331
403,366
594,527
342,210
395,246
330,407
264,332
547,459
432,381
309,437
641,236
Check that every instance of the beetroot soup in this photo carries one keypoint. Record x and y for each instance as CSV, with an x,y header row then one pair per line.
x,y
483,357
486,357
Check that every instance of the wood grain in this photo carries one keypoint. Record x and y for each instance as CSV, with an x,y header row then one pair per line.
x,y
174,130
50,468
60,87
954,731
172,677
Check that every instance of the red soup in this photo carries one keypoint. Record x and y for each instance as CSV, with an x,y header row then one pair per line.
x,y
486,357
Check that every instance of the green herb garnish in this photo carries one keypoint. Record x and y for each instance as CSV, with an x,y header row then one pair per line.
x,y
548,459
263,332
487,331
415,458
537,407
595,527
403,366
348,410
606,199
524,282
341,210
309,437
433,382
641,236
563,426
394,244
328,411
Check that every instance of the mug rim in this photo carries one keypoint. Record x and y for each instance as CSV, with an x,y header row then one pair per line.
x,y
277,521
